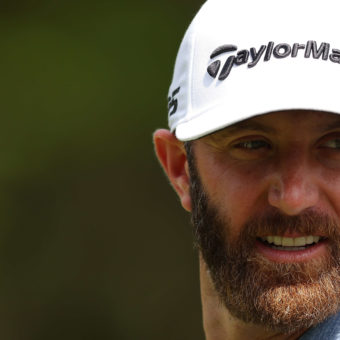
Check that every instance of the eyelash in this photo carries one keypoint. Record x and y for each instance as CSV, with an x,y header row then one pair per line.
x,y
247,145
257,144
336,146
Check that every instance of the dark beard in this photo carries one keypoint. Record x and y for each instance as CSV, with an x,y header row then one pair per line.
x,y
284,297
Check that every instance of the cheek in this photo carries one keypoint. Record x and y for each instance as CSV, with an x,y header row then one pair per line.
x,y
330,190
236,191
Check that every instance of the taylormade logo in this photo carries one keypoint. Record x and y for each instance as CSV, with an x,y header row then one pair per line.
x,y
278,51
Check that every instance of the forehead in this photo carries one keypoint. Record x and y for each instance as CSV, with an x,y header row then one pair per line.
x,y
294,121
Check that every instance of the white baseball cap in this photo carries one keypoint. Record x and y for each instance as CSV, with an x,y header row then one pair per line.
x,y
240,58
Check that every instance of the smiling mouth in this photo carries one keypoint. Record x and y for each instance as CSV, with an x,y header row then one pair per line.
x,y
291,243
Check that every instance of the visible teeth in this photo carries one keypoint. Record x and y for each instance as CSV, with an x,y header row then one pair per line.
x,y
309,239
287,241
278,240
299,241
291,241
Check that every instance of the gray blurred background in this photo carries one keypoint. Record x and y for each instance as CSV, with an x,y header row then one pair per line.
x,y
93,241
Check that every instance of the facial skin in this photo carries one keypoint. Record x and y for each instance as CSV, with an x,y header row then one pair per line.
x,y
276,174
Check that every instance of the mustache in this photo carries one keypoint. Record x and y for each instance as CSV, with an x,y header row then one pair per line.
x,y
309,222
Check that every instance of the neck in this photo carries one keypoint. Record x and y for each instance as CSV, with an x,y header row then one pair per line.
x,y
219,324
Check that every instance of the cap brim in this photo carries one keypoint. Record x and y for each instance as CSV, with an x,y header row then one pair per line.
x,y
309,84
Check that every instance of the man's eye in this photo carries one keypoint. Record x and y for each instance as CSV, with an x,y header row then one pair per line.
x,y
254,145
332,144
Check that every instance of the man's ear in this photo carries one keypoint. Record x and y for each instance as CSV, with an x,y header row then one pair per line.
x,y
172,156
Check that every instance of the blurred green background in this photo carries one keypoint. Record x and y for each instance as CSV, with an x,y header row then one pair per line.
x,y
93,241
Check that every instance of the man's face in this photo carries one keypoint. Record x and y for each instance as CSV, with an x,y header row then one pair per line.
x,y
266,207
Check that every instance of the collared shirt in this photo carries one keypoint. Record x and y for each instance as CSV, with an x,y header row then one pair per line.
x,y
327,330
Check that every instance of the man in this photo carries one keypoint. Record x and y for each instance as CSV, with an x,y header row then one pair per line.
x,y
253,152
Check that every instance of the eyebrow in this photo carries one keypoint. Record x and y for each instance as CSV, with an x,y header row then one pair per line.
x,y
333,125
219,138
245,125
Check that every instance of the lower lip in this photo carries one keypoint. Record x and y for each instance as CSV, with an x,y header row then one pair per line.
x,y
285,256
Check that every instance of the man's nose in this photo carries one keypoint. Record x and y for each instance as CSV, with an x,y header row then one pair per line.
x,y
293,186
